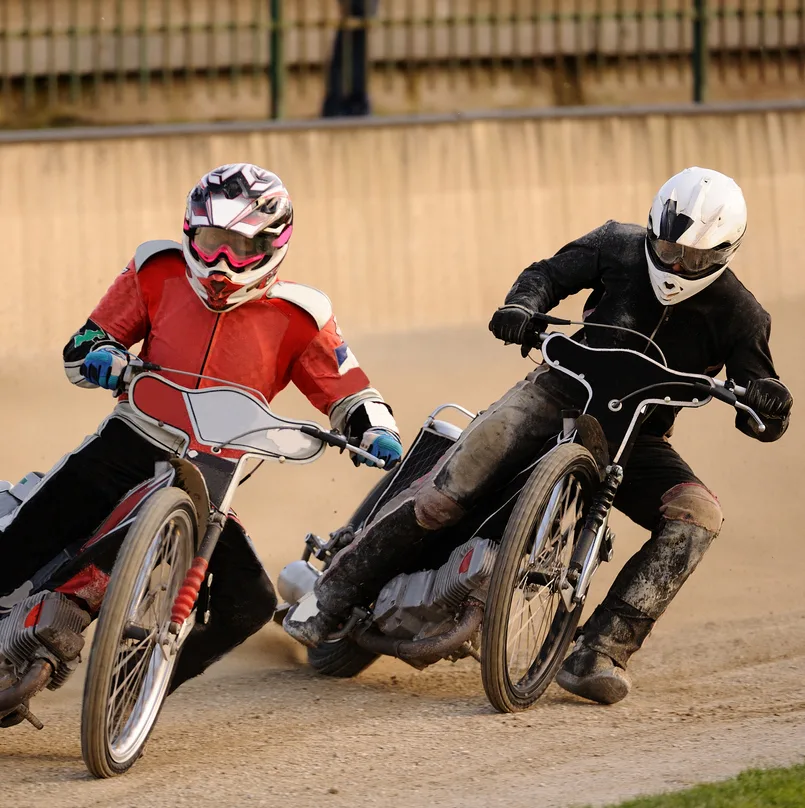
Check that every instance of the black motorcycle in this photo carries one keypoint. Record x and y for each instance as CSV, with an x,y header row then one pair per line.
x,y
508,583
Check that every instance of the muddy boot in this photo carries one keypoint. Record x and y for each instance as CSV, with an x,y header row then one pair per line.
x,y
639,596
377,554
307,622
360,570
595,676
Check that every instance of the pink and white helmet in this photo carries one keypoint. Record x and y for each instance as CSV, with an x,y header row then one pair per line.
x,y
237,226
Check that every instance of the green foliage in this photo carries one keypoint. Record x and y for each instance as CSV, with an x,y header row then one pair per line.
x,y
772,788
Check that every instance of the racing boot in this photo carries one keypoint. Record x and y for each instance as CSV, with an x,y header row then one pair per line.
x,y
360,571
307,622
594,676
641,593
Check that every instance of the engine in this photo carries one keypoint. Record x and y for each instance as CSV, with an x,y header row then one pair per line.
x,y
420,604
46,625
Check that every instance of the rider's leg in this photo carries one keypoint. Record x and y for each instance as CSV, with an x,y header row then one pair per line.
x,y
661,493
497,444
242,601
76,495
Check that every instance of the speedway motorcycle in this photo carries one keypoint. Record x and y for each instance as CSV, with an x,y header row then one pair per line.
x,y
507,584
145,566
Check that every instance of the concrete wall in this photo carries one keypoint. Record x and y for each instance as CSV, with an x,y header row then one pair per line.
x,y
405,226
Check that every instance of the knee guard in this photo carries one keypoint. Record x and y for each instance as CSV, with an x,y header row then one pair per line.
x,y
434,509
692,503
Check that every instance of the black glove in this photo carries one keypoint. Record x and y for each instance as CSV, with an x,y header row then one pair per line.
x,y
769,398
509,322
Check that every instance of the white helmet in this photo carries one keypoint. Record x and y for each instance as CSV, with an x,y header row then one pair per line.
x,y
237,225
696,224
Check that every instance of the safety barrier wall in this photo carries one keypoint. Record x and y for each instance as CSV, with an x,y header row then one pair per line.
x,y
405,226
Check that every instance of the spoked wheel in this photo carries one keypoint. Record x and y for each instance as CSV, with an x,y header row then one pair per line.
x,y
527,626
130,664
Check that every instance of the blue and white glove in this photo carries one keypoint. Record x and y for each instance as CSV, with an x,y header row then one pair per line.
x,y
104,367
382,444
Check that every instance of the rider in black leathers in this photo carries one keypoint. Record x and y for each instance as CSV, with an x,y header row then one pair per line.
x,y
703,319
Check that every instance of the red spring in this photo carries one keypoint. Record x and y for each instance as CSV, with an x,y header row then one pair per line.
x,y
186,599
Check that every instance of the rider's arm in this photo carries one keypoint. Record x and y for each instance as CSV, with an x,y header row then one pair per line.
x,y
540,287
328,373
750,362
119,320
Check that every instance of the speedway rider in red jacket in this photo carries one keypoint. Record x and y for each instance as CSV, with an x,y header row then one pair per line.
x,y
213,306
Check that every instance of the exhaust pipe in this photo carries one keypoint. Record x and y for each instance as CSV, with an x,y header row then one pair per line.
x,y
428,650
35,679
296,580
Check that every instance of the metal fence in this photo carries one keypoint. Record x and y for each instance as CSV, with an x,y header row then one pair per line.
x,y
68,48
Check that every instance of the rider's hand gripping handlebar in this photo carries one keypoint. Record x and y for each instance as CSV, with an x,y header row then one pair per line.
x,y
730,393
135,367
340,442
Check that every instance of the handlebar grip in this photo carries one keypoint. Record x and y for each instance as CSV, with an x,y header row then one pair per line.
x,y
548,319
721,393
533,333
329,438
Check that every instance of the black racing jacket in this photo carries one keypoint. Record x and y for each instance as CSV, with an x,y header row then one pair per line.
x,y
721,326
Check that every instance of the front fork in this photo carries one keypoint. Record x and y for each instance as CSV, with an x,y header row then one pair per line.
x,y
595,540
187,596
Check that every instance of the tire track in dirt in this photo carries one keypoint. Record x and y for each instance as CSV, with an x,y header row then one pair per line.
x,y
395,736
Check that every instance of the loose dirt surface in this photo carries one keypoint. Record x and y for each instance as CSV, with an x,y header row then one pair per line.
x,y
719,686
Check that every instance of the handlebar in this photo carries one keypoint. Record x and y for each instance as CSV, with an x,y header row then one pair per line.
x,y
726,391
340,442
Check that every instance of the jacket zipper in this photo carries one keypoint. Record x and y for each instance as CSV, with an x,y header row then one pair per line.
x,y
209,348
665,315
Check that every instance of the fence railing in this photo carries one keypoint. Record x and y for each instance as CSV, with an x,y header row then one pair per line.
x,y
52,48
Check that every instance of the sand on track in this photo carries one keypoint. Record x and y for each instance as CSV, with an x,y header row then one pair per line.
x,y
719,686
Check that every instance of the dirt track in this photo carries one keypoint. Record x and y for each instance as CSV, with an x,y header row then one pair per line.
x,y
719,686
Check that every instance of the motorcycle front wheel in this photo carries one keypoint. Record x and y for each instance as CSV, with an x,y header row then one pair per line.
x,y
527,626
130,668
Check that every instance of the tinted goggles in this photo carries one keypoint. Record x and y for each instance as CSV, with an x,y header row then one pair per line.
x,y
689,262
241,251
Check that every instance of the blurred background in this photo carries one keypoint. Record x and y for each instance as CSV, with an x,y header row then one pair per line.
x,y
141,61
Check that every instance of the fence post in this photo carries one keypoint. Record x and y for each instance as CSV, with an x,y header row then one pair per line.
x,y
701,51
276,65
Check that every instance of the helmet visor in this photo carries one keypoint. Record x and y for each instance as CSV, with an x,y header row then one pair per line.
x,y
689,262
240,251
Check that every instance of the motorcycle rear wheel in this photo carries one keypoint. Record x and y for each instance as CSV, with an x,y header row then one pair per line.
x,y
128,678
524,593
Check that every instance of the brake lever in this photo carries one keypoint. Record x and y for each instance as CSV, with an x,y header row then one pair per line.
x,y
729,395
761,427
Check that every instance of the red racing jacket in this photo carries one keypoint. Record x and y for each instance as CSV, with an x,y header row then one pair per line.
x,y
289,335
